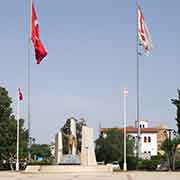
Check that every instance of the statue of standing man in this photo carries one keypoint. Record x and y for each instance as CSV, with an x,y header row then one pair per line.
x,y
72,144
71,138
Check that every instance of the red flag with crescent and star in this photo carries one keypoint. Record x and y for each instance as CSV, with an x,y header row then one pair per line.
x,y
143,33
40,51
20,94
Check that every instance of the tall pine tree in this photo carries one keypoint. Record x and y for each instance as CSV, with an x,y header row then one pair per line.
x,y
8,125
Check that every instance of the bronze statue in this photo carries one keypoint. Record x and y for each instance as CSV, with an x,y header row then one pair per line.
x,y
72,141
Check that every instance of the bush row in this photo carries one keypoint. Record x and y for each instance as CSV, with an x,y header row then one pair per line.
x,y
178,164
151,165
40,163
135,164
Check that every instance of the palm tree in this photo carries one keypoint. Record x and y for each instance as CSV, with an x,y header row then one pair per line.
x,y
170,146
176,102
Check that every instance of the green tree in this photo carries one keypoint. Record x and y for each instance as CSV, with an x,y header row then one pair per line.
x,y
176,102
41,150
170,146
8,130
176,141
110,148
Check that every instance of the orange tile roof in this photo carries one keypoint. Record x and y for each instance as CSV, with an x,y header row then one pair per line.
x,y
132,130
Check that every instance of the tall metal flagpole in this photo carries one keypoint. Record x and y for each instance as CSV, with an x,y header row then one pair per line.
x,y
125,94
137,106
17,144
28,79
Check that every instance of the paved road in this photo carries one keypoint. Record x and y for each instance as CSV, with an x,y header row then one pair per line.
x,y
93,176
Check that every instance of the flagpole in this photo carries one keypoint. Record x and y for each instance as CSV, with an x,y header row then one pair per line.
x,y
29,83
137,85
17,144
125,112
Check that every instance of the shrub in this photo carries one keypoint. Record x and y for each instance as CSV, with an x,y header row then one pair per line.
x,y
147,164
132,163
4,167
40,163
158,157
177,164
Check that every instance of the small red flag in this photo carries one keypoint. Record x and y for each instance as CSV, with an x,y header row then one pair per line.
x,y
125,92
20,94
40,51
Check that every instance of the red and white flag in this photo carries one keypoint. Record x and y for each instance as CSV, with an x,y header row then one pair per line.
x,y
40,51
20,94
125,92
143,33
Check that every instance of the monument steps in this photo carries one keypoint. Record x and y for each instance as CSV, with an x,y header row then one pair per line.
x,y
67,169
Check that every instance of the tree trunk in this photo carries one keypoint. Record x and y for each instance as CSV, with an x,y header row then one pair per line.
x,y
174,158
11,166
168,161
174,163
11,162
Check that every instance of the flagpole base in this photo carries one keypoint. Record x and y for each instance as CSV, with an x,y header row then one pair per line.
x,y
17,166
125,166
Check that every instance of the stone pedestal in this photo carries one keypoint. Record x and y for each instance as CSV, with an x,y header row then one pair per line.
x,y
87,148
70,159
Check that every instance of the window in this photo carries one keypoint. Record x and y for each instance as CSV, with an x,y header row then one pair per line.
x,y
143,125
145,139
149,139
140,125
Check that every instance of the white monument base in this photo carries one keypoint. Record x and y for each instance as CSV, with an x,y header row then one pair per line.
x,y
58,148
88,157
70,159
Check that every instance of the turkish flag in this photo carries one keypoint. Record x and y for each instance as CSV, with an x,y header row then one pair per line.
x,y
20,94
40,51
143,33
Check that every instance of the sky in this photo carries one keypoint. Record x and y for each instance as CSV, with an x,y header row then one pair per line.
x,y
91,48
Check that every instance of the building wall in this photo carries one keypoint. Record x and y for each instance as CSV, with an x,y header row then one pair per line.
x,y
147,148
143,124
